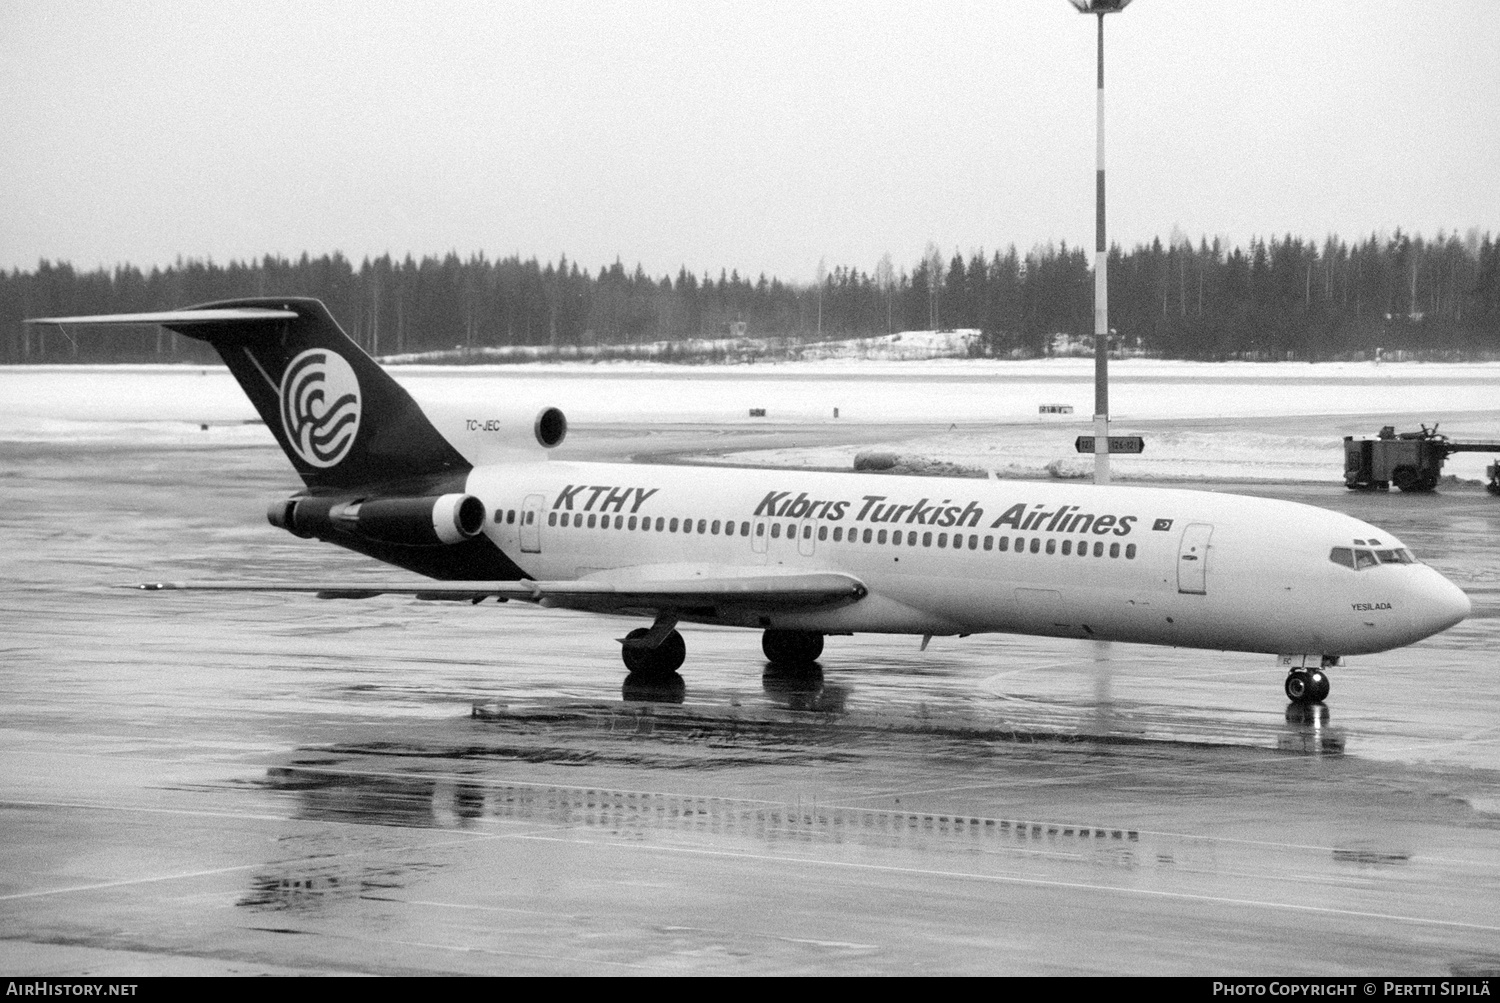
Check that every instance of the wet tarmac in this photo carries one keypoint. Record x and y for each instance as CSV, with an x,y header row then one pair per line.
x,y
272,784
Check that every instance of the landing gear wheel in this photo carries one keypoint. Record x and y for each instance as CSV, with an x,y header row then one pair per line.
x,y
1318,682
791,647
1299,687
663,660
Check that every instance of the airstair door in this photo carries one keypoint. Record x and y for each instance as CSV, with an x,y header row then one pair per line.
x,y
1192,559
531,524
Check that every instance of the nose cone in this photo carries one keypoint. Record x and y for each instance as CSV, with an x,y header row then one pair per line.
x,y
1438,604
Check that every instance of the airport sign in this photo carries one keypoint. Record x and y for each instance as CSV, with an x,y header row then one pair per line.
x,y
1117,444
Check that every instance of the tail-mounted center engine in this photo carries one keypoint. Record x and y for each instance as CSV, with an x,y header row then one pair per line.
x,y
413,522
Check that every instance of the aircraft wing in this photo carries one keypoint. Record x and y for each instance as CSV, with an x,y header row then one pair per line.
x,y
683,594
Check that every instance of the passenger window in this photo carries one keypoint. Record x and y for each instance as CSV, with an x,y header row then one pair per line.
x,y
973,543
1051,546
702,525
760,529
775,530
714,528
1129,551
867,536
1036,544
1114,550
1067,547
1020,545
552,518
672,526
631,523
822,532
660,522
911,538
989,543
1004,544
1364,559
880,536
838,534
1098,550
1083,548
744,529
592,520
926,539
942,539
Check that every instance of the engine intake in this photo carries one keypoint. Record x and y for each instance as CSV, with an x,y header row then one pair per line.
x,y
430,521
551,427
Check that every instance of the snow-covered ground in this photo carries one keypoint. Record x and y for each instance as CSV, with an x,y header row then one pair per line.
x,y
903,346
1270,421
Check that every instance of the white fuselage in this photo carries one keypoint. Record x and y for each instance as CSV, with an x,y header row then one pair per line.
x,y
1149,565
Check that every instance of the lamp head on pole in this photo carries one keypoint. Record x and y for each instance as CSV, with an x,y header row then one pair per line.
x,y
1100,6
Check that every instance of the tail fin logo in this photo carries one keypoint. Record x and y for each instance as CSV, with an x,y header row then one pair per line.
x,y
320,406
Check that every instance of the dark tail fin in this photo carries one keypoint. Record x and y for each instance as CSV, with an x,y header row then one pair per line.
x,y
341,419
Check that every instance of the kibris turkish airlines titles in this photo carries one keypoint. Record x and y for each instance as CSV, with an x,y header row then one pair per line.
x,y
871,509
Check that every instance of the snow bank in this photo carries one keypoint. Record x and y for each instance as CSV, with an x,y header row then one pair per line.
x,y
1201,420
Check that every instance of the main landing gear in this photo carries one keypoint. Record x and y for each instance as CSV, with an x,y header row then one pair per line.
x,y
792,648
651,656
658,651
1307,686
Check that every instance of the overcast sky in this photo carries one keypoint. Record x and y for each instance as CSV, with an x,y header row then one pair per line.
x,y
759,136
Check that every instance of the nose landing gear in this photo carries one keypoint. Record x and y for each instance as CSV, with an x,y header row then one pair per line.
x,y
1307,686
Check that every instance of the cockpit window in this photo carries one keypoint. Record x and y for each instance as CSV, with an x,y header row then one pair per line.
x,y
1359,559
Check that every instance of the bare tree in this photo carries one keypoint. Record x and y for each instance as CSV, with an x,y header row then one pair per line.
x,y
822,281
933,259
885,281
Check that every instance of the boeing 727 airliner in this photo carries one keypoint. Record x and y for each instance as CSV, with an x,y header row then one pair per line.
x,y
471,502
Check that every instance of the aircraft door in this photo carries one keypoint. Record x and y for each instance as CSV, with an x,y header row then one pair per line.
x,y
531,524
1192,559
760,536
807,537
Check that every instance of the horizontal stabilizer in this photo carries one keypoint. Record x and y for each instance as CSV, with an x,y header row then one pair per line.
x,y
209,315
761,592
343,422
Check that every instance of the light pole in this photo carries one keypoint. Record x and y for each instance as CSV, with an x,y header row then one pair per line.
x,y
1101,262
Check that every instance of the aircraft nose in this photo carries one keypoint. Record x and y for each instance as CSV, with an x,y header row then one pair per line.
x,y
1439,604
